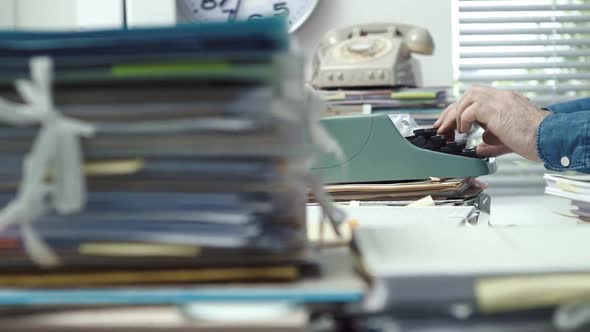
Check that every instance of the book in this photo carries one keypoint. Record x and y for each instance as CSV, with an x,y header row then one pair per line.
x,y
488,270
190,173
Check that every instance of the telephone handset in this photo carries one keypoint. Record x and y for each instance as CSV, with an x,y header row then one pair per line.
x,y
370,55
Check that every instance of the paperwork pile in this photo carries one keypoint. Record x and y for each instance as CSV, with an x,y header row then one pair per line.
x,y
575,187
424,104
168,155
439,189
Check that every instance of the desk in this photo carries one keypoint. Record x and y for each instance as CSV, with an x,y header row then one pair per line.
x,y
530,210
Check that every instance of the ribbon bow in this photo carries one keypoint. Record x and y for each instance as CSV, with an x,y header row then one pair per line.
x,y
53,178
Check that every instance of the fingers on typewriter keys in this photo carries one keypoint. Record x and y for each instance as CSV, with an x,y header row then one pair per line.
x,y
430,140
418,141
469,152
419,132
452,148
462,144
426,133
446,149
431,132
437,142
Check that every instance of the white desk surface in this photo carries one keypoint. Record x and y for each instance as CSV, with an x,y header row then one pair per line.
x,y
516,210
530,210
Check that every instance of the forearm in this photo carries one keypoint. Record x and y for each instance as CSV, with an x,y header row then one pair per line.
x,y
570,106
563,141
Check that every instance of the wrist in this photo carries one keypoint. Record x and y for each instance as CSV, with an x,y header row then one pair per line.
x,y
538,153
531,132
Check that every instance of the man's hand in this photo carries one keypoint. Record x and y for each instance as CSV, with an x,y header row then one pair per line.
x,y
510,121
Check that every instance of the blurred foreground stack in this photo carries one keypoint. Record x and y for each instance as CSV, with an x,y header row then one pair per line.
x,y
192,171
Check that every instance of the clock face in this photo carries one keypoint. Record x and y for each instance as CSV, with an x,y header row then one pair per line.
x,y
295,11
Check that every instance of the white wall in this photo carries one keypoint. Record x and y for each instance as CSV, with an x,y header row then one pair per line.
x,y
60,14
46,14
142,13
99,14
435,15
7,11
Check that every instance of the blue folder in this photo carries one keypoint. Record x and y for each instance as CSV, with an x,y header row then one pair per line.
x,y
180,295
257,35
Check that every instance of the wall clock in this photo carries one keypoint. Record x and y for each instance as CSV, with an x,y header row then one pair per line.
x,y
296,12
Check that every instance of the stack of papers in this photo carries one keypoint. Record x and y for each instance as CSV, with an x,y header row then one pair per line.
x,y
425,104
190,171
205,307
337,284
575,187
440,190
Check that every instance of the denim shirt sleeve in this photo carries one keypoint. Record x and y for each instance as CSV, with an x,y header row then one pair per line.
x,y
563,142
571,106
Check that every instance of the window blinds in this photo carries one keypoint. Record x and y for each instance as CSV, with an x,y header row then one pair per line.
x,y
540,48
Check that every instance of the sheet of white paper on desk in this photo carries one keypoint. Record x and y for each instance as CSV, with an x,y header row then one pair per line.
x,y
553,180
581,210
438,202
573,177
567,194
405,123
395,215
387,216
426,201
585,214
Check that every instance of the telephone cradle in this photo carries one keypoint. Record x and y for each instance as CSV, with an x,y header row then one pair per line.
x,y
375,151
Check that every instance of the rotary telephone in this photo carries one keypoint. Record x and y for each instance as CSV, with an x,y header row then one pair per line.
x,y
371,55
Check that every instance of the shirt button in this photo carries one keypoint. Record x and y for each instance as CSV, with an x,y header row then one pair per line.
x,y
565,161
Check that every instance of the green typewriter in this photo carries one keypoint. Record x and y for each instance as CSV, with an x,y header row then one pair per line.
x,y
386,148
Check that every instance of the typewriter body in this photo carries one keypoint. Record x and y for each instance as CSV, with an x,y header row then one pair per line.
x,y
382,148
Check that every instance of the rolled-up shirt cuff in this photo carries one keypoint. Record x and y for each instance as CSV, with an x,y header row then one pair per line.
x,y
562,141
570,106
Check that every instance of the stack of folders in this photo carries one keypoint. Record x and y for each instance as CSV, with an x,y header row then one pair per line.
x,y
443,191
424,104
575,187
451,192
192,170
